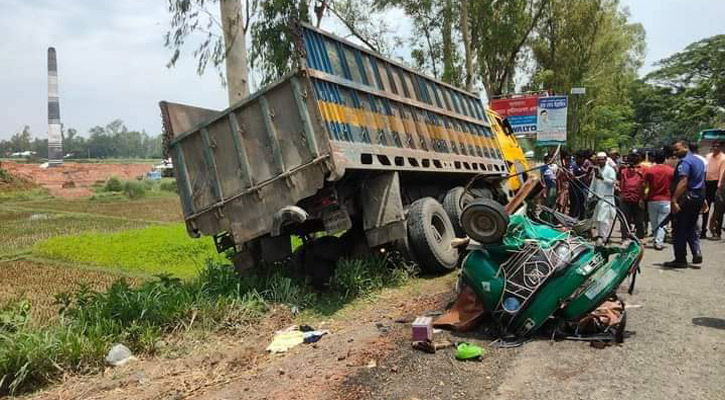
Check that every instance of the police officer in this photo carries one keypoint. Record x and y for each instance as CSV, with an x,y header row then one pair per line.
x,y
688,198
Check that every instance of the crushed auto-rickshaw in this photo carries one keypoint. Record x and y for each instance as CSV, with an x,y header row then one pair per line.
x,y
540,269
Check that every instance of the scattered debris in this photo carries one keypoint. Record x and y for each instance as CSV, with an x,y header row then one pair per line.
x,y
425,346
432,347
293,336
314,336
423,329
466,312
466,351
119,355
443,344
286,339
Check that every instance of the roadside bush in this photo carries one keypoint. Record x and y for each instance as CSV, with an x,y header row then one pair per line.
x,y
6,177
356,277
14,316
113,184
134,189
92,321
169,185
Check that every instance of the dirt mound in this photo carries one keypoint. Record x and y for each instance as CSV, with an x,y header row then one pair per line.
x,y
73,179
10,182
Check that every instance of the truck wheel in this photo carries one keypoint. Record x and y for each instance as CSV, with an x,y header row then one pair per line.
x,y
430,233
319,259
485,221
455,201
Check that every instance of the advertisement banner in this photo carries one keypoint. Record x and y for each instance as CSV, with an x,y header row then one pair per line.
x,y
520,111
551,121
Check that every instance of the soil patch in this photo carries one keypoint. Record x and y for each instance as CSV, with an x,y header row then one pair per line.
x,y
72,180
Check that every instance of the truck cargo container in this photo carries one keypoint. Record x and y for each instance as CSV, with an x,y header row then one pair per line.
x,y
349,141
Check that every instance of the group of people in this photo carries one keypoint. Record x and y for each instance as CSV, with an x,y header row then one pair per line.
x,y
674,187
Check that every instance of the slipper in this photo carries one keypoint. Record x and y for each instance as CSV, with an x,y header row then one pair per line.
x,y
466,351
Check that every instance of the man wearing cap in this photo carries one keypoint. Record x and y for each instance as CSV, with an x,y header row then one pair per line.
x,y
688,198
603,189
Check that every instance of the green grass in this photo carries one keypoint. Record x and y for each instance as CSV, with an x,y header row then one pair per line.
x,y
20,229
92,321
24,195
151,250
161,206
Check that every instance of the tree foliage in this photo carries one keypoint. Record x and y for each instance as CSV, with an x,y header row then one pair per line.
x,y
272,38
509,46
591,44
500,31
685,95
114,140
194,21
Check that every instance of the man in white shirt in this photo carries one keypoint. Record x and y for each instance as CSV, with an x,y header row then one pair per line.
x,y
603,189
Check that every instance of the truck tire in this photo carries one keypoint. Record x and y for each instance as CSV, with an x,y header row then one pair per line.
x,y
430,233
485,221
319,259
455,201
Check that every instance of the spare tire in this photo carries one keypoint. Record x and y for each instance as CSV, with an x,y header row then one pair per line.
x,y
455,201
430,232
485,221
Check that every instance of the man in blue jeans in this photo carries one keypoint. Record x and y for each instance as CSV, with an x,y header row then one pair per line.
x,y
658,179
688,198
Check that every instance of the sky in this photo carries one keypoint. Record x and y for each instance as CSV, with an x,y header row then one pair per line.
x,y
112,62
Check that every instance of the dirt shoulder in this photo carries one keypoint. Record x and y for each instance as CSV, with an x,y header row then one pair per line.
x,y
237,365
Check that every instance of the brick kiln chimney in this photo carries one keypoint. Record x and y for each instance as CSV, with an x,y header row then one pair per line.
x,y
55,139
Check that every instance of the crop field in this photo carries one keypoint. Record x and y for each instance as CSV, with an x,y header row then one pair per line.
x,y
117,266
21,229
39,282
153,250
51,245
164,207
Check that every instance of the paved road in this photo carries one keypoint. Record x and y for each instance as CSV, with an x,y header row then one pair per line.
x,y
678,351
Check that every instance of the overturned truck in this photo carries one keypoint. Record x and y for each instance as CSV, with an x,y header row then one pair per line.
x,y
348,141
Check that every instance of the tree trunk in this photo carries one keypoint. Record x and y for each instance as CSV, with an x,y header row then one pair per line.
x,y
236,49
467,45
447,33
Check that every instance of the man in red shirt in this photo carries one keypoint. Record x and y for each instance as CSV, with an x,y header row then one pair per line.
x,y
631,193
658,179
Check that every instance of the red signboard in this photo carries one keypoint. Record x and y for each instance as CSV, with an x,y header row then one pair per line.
x,y
524,105
520,111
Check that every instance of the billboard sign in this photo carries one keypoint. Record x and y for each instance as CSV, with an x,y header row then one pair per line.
x,y
520,111
551,121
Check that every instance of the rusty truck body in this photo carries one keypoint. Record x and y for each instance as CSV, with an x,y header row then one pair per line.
x,y
348,141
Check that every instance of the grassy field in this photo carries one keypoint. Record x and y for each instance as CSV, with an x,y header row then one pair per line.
x,y
20,229
39,282
164,207
69,256
152,250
